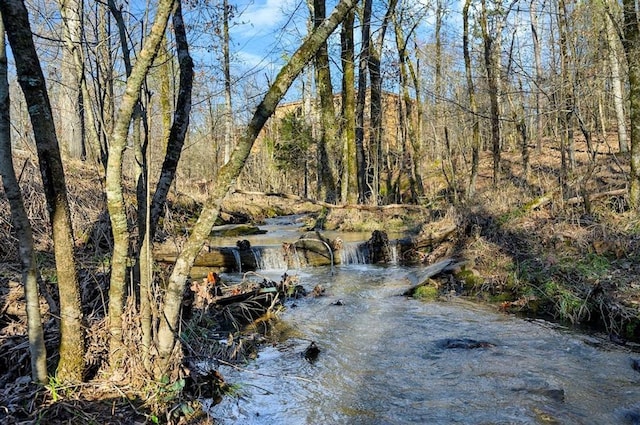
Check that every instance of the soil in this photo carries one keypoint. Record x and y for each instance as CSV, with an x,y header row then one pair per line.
x,y
529,246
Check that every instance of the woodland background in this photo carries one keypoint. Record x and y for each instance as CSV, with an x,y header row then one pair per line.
x,y
509,107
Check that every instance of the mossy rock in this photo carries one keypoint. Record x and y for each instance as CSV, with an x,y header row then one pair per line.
x,y
470,278
426,293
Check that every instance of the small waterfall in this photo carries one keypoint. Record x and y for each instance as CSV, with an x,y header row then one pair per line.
x,y
270,258
354,253
236,255
393,251
359,253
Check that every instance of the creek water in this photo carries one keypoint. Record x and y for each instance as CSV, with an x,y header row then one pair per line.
x,y
386,359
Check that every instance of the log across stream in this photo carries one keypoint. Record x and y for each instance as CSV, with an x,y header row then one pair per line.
x,y
309,249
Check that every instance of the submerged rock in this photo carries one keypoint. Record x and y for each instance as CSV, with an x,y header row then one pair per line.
x,y
462,343
311,352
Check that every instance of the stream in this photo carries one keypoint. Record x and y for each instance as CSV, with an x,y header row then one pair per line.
x,y
387,359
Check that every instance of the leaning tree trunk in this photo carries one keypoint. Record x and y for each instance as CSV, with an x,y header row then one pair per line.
x,y
22,227
115,198
227,177
31,79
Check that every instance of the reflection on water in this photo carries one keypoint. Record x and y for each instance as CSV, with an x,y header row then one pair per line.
x,y
383,361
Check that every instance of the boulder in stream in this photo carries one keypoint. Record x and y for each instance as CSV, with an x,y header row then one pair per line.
x,y
462,343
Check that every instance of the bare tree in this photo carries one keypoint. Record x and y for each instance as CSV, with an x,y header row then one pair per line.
x,y
22,227
31,79
475,141
364,190
613,42
349,187
327,136
114,183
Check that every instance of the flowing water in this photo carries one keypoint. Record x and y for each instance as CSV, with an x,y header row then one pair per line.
x,y
386,359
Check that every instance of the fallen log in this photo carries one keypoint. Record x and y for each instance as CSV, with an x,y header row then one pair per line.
x,y
594,196
328,205
312,249
224,259
421,277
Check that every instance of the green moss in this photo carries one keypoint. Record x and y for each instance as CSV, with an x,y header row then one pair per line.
x,y
632,329
469,279
566,304
593,265
426,293
501,297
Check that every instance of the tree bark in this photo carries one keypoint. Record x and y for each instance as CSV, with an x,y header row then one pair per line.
x,y
72,117
31,79
22,227
227,177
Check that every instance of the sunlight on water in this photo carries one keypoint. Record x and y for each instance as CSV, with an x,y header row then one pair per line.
x,y
384,360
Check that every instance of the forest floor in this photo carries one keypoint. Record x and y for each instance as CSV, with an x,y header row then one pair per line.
x,y
529,246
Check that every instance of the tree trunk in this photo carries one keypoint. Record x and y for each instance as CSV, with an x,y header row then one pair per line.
x,y
631,44
538,81
22,227
177,136
229,127
407,120
349,189
72,114
375,126
475,141
31,79
616,81
567,95
363,188
228,175
115,198
104,83
327,136
492,85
